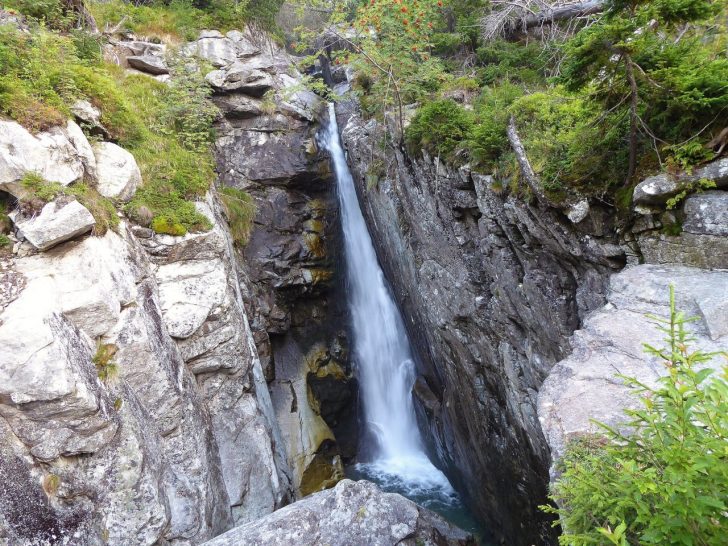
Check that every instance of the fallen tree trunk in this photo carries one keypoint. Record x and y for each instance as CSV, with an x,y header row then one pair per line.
x,y
512,27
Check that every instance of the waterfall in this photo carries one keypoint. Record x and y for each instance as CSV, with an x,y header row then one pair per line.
x,y
382,355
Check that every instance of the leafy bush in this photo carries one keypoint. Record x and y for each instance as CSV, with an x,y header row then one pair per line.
x,y
50,12
571,145
446,43
440,127
664,482
488,138
513,62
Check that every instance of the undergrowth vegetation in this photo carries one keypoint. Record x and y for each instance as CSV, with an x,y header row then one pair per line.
x,y
168,128
599,102
661,478
240,211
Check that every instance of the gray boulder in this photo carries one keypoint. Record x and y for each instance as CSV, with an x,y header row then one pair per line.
x,y
118,172
656,190
57,222
50,154
707,213
151,64
221,50
351,514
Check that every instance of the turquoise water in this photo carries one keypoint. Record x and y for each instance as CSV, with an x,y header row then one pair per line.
x,y
445,503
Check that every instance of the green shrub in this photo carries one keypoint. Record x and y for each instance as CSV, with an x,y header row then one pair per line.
x,y
106,368
5,241
571,145
685,156
50,12
664,482
240,211
446,43
513,62
488,138
440,127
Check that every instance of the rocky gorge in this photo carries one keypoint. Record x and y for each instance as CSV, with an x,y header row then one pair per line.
x,y
161,389
522,314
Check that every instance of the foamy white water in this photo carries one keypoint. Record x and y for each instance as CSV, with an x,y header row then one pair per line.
x,y
382,354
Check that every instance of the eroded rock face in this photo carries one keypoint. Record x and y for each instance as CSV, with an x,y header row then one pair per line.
x,y
134,406
267,147
351,514
491,289
584,387
114,430
201,305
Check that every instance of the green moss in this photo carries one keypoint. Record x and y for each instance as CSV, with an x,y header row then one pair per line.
x,y
51,483
5,241
106,368
164,225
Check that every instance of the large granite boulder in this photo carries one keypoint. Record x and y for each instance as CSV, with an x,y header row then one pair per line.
x,y
351,514
117,171
60,154
221,50
58,221
656,190
584,386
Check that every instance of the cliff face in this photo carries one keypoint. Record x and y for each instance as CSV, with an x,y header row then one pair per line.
x,y
267,146
491,289
521,315
175,445
134,406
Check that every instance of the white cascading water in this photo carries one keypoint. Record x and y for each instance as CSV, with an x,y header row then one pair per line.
x,y
382,354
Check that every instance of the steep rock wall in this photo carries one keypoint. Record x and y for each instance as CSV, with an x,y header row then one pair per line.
x,y
267,146
133,404
491,289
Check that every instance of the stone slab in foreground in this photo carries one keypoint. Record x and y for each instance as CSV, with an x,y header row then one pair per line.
x,y
350,514
585,385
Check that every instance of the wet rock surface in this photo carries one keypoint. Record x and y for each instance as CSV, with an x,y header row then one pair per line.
x,y
267,146
351,514
491,289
